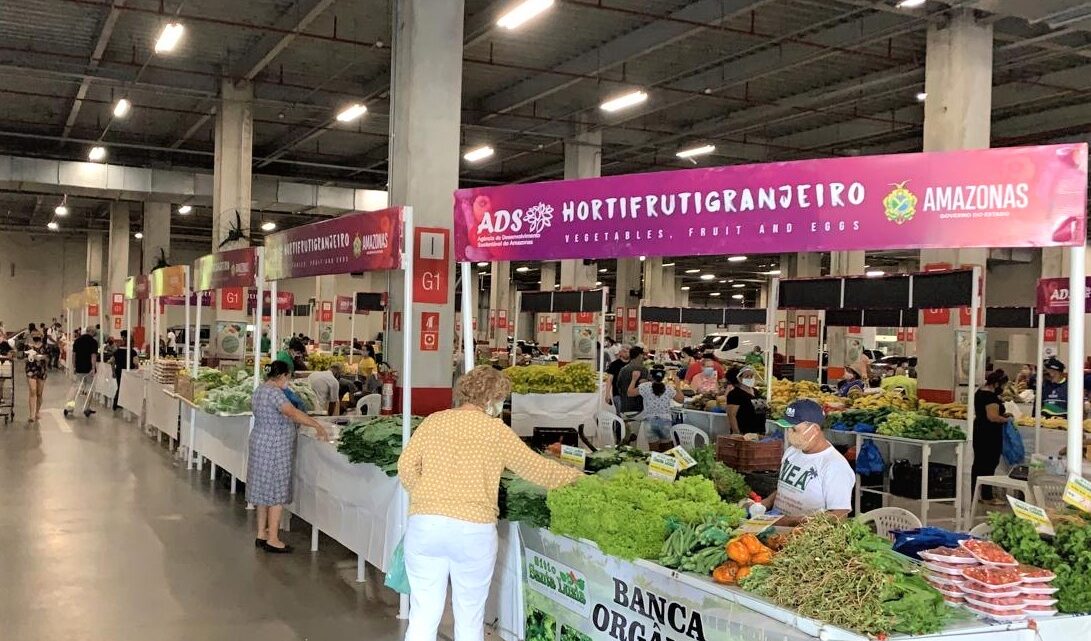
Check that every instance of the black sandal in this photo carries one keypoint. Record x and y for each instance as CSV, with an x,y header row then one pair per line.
x,y
259,543
287,549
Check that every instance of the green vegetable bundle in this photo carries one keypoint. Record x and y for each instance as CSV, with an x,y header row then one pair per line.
x,y
697,548
626,513
306,393
730,485
523,501
837,571
608,457
1068,555
231,398
851,418
919,426
549,379
376,440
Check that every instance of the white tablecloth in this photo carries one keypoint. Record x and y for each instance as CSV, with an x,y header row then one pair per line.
x,y
357,505
163,408
105,385
133,389
221,439
529,411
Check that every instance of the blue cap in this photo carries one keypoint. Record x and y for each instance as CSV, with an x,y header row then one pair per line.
x,y
802,411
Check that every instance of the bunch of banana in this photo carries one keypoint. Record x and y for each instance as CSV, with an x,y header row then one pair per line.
x,y
949,410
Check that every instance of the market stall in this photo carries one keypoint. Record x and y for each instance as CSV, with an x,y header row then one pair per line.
x,y
678,321
357,242
825,205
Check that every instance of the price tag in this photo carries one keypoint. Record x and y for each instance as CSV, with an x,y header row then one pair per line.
x,y
685,461
1077,493
574,456
758,524
1032,513
662,466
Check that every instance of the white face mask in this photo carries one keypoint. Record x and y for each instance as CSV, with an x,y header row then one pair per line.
x,y
495,409
709,371
749,382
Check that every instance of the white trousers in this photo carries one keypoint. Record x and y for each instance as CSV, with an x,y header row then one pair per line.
x,y
438,548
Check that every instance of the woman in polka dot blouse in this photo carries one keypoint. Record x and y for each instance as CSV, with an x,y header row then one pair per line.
x,y
451,469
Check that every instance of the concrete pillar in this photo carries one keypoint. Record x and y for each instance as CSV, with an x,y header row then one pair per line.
x,y
549,283
117,267
95,258
629,276
653,282
500,299
574,275
805,350
156,232
231,179
424,164
582,159
843,264
957,112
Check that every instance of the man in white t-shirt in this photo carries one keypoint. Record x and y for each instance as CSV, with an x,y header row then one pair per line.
x,y
814,476
326,386
172,343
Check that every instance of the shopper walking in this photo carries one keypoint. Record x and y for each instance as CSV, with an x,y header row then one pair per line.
x,y
124,358
271,453
85,359
36,366
657,397
989,421
745,411
451,469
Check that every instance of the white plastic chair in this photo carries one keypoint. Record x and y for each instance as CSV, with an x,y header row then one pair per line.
x,y
888,519
1048,490
370,405
611,428
981,530
688,435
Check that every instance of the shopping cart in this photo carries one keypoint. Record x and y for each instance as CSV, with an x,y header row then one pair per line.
x,y
85,386
7,389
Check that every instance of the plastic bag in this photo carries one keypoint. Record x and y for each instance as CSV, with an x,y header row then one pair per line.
x,y
397,578
294,399
912,542
1014,450
865,428
869,460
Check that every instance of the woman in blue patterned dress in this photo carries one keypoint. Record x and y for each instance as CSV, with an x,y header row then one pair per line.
x,y
272,452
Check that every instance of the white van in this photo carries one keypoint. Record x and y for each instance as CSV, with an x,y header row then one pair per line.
x,y
734,346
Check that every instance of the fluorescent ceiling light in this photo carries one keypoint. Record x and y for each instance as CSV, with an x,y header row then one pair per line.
x,y
723,280
692,271
185,209
169,37
708,276
96,154
922,96
738,285
714,293
483,264
737,296
121,108
643,258
522,12
352,112
772,272
736,259
696,151
52,225
479,154
874,273
138,235
685,288
268,226
598,283
522,270
630,99
910,4
60,210
668,264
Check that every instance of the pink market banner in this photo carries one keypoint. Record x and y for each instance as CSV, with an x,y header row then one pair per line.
x,y
232,268
170,301
137,288
285,300
1053,295
1007,197
343,305
356,242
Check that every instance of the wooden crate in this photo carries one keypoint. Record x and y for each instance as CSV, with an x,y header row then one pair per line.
x,y
749,456
187,388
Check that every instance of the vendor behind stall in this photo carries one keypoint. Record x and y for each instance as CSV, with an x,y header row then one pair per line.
x,y
849,381
293,355
1054,389
327,387
814,476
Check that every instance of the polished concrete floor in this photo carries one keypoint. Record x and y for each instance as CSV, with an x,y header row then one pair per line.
x,y
105,536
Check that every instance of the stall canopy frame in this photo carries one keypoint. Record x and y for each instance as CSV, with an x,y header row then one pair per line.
x,y
576,301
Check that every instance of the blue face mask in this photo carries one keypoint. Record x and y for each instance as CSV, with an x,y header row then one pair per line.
x,y
709,371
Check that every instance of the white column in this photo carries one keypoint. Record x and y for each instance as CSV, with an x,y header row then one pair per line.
x,y
424,165
95,258
842,264
958,80
117,267
156,242
500,299
231,179
582,159
549,283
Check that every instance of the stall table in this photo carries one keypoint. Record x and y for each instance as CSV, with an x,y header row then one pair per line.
x,y
163,409
223,440
105,385
134,383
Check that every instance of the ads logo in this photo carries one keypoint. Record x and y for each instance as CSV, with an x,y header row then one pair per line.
x,y
539,217
357,246
900,204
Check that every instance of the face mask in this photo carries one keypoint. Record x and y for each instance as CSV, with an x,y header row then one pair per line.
x,y
709,371
495,409
749,382
801,438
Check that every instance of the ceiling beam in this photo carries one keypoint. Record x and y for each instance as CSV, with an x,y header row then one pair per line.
x,y
288,27
639,42
105,32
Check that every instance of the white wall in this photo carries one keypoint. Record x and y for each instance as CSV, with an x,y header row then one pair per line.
x,y
36,272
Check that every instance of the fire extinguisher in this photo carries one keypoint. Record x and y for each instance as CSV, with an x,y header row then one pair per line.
x,y
389,379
